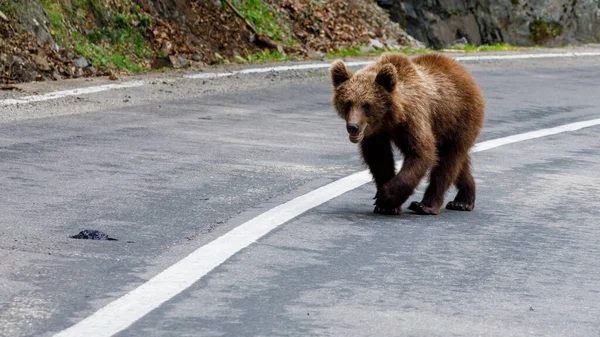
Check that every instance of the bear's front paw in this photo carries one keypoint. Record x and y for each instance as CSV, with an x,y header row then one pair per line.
x,y
388,211
386,200
460,206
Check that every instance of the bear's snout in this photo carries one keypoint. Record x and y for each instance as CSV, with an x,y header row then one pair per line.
x,y
352,128
355,134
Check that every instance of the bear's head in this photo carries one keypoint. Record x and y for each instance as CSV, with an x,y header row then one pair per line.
x,y
365,99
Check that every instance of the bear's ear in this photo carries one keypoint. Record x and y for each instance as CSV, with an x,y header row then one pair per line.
x,y
386,77
339,73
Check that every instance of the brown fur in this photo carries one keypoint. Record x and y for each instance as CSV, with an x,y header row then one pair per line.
x,y
428,107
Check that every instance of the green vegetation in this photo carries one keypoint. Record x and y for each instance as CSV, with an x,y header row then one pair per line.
x,y
264,56
7,8
357,52
486,47
348,52
317,74
112,40
261,56
541,31
266,20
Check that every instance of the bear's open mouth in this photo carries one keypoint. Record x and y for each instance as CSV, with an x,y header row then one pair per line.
x,y
357,137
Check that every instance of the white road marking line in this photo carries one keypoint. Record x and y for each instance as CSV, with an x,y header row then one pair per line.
x,y
364,63
272,69
525,56
94,89
126,310
72,92
490,144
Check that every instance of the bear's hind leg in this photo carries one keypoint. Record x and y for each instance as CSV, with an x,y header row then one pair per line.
x,y
441,177
465,198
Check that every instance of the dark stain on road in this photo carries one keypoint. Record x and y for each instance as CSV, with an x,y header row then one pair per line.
x,y
91,234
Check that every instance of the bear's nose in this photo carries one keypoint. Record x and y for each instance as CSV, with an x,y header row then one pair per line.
x,y
352,128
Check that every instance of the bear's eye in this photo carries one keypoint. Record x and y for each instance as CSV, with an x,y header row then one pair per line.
x,y
347,106
367,109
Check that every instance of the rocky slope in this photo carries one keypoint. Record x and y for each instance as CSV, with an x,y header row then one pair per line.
x,y
53,39
518,22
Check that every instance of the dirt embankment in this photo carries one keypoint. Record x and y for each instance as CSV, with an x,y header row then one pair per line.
x,y
54,39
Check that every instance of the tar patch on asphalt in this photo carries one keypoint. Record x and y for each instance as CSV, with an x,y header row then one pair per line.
x,y
90,234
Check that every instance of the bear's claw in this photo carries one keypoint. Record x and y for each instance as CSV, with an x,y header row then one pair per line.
x,y
459,206
388,211
421,209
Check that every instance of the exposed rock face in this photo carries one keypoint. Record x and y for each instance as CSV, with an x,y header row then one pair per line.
x,y
520,22
33,18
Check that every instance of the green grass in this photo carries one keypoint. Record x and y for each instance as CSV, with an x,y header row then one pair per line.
x,y
349,52
266,20
258,57
356,52
112,40
264,56
317,74
486,47
7,8
104,55
58,25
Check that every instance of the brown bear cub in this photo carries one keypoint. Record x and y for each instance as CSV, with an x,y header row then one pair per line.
x,y
431,109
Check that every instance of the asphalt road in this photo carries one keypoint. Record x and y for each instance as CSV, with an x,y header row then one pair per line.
x,y
169,167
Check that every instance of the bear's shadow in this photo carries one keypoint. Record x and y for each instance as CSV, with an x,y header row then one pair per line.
x,y
358,214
